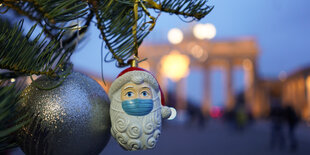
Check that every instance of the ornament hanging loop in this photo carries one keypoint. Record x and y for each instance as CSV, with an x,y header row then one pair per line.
x,y
133,62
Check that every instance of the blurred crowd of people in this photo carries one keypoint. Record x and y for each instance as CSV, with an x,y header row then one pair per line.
x,y
283,121
283,118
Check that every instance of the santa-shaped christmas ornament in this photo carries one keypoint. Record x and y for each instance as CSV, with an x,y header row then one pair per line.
x,y
137,108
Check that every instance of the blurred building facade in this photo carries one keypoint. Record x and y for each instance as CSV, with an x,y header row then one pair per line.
x,y
206,54
296,92
226,54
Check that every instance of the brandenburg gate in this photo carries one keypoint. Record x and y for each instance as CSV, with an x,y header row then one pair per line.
x,y
204,55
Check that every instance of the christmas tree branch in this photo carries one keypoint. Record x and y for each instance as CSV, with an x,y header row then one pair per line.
x,y
54,11
8,122
28,56
115,19
30,14
197,9
80,31
54,15
117,30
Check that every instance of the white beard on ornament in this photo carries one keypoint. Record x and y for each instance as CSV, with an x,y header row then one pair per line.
x,y
135,132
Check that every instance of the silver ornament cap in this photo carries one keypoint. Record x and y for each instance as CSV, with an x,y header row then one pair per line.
x,y
72,118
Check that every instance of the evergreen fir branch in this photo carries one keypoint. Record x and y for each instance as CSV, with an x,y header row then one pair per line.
x,y
9,123
52,11
115,21
31,14
53,15
75,36
21,54
115,18
187,8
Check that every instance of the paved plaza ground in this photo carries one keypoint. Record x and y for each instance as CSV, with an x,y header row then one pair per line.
x,y
216,138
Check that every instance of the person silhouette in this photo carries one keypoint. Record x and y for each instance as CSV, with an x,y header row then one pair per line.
x,y
292,120
277,119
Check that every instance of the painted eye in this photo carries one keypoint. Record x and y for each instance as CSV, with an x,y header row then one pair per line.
x,y
129,94
144,93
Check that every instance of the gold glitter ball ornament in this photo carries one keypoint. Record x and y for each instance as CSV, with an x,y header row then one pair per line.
x,y
71,119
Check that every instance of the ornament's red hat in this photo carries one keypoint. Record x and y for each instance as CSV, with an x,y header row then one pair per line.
x,y
143,70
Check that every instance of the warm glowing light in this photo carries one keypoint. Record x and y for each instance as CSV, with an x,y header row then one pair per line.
x,y
173,113
196,51
12,80
204,57
175,36
204,31
199,31
175,65
308,83
308,89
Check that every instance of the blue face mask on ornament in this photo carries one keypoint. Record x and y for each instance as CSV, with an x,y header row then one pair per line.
x,y
137,107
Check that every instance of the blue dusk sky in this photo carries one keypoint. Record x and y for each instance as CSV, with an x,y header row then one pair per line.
x,y
281,28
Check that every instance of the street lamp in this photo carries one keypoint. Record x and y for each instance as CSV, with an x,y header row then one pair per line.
x,y
175,36
175,65
204,31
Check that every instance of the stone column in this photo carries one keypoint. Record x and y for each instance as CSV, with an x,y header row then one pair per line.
x,y
230,100
249,73
206,103
181,95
